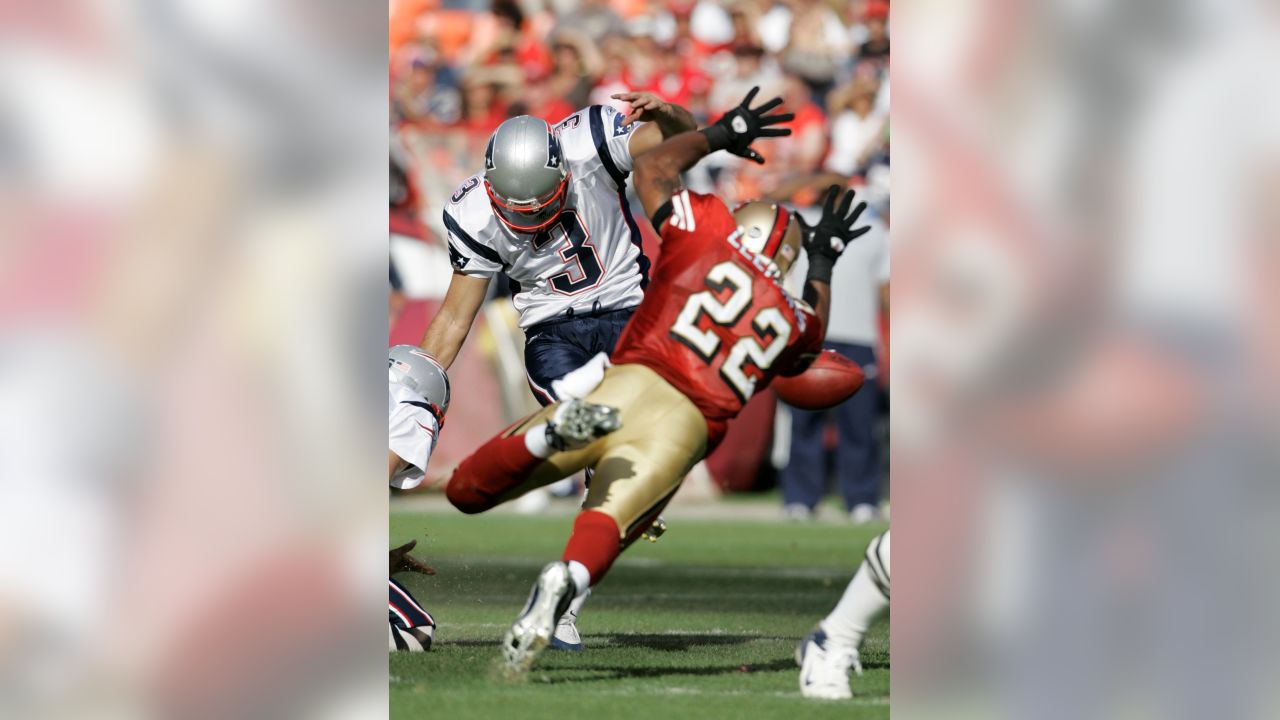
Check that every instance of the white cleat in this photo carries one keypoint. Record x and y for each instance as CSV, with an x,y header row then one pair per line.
x,y
578,423
532,631
566,636
824,667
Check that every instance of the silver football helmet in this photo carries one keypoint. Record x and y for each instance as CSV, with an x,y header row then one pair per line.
x,y
525,174
412,367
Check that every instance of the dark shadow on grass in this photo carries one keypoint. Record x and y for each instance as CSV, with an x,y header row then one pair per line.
x,y
471,643
547,675
676,642
669,643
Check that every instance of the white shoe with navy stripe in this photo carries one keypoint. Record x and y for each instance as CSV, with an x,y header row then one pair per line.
x,y
824,667
566,636
531,633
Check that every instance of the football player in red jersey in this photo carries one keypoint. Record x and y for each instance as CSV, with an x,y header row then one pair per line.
x,y
714,327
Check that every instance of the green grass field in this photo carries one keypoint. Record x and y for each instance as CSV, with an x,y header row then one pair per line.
x,y
703,623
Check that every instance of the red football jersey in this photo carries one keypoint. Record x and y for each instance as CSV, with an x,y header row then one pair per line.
x,y
713,323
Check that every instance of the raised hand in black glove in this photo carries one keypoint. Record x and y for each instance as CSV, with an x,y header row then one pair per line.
x,y
833,232
738,128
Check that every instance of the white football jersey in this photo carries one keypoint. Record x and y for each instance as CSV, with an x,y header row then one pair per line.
x,y
411,434
590,258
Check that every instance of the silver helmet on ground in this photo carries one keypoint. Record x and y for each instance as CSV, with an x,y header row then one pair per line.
x,y
525,174
412,367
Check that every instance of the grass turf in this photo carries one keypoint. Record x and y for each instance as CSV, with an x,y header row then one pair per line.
x,y
704,623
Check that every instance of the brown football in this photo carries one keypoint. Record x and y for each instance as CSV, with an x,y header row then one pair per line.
x,y
829,381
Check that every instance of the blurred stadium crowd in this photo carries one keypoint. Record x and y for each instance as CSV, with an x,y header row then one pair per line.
x,y
458,68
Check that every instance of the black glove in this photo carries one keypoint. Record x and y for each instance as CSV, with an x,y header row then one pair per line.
x,y
832,234
738,128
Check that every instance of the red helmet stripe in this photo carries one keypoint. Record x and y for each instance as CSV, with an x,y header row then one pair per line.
x,y
781,220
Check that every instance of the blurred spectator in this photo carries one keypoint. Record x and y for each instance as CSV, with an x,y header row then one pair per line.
x,y
775,28
797,176
594,18
511,40
677,80
423,96
859,292
483,109
802,151
645,63
691,49
745,21
876,19
816,44
750,69
710,23
576,68
538,100
857,129
616,50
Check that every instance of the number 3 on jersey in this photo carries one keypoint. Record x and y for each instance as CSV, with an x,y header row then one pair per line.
x,y
769,325
569,231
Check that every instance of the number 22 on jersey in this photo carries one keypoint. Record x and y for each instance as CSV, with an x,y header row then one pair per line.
x,y
769,326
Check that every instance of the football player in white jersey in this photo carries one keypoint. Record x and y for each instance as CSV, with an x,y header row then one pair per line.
x,y
417,397
827,654
550,210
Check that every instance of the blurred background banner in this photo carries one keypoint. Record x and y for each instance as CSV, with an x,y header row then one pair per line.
x,y
192,285
1085,367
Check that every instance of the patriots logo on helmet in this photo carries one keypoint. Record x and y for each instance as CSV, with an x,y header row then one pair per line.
x,y
488,154
553,151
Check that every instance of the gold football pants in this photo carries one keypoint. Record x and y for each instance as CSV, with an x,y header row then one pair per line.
x,y
638,467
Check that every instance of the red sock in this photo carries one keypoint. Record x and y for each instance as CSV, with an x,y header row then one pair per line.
x,y
595,543
495,468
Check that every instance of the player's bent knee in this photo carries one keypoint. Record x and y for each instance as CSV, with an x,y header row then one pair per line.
x,y
464,495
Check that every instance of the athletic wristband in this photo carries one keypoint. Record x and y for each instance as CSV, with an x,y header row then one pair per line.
x,y
660,215
718,137
820,267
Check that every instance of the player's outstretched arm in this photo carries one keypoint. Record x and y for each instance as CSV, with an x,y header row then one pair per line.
x,y
449,328
825,241
665,120
657,172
